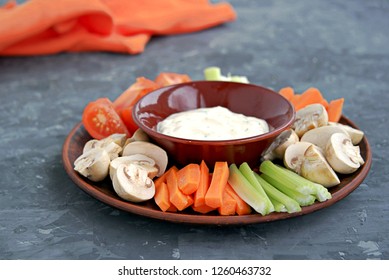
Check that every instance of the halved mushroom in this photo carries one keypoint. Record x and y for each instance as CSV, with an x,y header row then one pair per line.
x,y
316,168
139,159
277,148
310,117
342,155
294,156
131,182
93,164
113,144
320,136
151,150
356,135
139,135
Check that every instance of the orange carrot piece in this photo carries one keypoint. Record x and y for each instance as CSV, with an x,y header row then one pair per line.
x,y
242,208
162,179
310,96
176,197
295,99
189,178
228,206
161,197
203,209
199,196
214,195
334,109
287,92
172,208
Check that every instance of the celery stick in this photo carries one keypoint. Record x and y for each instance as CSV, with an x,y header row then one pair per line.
x,y
213,74
246,191
302,199
278,206
247,172
279,173
273,193
321,192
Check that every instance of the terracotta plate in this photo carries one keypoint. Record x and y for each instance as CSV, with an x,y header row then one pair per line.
x,y
104,192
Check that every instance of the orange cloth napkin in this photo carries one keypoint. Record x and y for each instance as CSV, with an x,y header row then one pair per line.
x,y
41,27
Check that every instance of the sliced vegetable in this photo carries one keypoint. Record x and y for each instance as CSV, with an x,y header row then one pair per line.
x,y
214,195
169,78
242,208
101,120
278,206
161,197
290,204
247,172
228,206
199,196
247,191
310,96
180,200
93,164
334,109
287,92
214,74
310,117
189,178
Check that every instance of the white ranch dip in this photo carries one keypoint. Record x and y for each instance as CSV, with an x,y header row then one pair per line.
x,y
216,123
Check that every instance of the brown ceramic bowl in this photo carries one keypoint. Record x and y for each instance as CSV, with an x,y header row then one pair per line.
x,y
247,99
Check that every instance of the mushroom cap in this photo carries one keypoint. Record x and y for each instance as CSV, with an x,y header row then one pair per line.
x,y
142,160
131,183
151,150
310,117
356,135
280,144
93,164
316,168
342,155
320,136
294,156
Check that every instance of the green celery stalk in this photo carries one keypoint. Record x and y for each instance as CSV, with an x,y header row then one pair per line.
x,y
246,191
278,206
247,172
213,73
321,192
302,199
291,205
282,174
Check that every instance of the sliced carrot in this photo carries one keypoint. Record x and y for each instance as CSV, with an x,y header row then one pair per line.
x,y
287,92
295,99
199,196
334,109
310,96
161,197
172,208
228,206
176,197
242,208
214,195
189,178
203,209
162,178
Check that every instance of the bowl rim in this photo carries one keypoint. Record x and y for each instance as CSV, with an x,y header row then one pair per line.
x,y
256,138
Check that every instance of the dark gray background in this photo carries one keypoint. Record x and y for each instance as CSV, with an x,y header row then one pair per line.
x,y
341,47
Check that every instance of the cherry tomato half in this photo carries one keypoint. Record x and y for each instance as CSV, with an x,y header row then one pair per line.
x,y
101,120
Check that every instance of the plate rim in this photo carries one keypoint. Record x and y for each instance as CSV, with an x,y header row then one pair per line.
x,y
204,219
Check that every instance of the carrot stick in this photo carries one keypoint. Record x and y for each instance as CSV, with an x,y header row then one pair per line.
x,y
334,110
287,92
203,209
242,208
161,197
295,99
162,179
310,96
199,196
189,178
214,195
176,197
228,206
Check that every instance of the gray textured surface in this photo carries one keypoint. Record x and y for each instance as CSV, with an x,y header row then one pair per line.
x,y
339,47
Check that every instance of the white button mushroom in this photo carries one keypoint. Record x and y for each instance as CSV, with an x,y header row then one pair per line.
x,y
356,135
294,156
93,164
151,150
316,168
342,155
139,159
131,182
310,117
320,136
277,148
